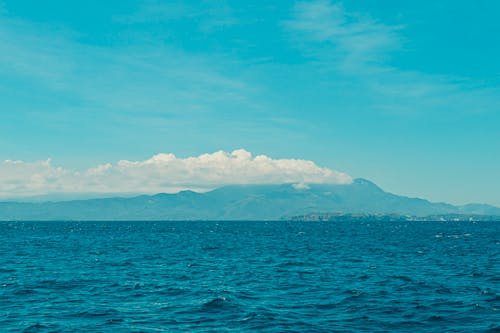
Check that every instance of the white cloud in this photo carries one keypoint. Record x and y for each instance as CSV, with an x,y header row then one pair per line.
x,y
360,47
163,173
360,41
139,77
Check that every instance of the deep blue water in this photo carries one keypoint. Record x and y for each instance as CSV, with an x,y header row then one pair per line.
x,y
240,276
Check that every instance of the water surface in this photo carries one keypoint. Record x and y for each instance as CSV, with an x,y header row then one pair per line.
x,y
241,276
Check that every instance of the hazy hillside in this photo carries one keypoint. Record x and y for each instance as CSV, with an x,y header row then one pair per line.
x,y
252,202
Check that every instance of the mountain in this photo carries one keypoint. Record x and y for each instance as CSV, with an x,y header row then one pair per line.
x,y
241,202
480,209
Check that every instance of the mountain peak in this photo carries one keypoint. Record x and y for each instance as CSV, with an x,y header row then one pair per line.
x,y
365,182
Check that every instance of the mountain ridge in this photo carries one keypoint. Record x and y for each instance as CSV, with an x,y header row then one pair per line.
x,y
241,202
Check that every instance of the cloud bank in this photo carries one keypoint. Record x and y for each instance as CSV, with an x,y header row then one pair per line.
x,y
163,173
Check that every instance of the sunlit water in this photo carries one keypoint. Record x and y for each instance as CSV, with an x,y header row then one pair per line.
x,y
240,276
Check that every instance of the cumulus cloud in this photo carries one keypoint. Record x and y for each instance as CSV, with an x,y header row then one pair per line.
x,y
163,173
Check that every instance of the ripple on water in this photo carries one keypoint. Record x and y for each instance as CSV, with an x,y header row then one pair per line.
x,y
239,276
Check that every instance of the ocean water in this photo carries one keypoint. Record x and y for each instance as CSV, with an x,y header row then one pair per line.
x,y
249,276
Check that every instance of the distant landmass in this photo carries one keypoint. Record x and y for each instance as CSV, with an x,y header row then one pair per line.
x,y
337,217
361,199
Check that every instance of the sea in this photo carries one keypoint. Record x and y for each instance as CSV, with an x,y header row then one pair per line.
x,y
249,276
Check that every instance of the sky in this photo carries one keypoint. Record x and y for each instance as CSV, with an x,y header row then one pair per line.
x,y
404,93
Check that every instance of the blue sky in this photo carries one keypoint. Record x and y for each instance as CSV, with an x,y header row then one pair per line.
x,y
403,93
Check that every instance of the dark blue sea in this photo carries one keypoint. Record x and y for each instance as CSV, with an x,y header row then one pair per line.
x,y
249,276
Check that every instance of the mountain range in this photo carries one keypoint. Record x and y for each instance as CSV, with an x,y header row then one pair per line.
x,y
241,202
